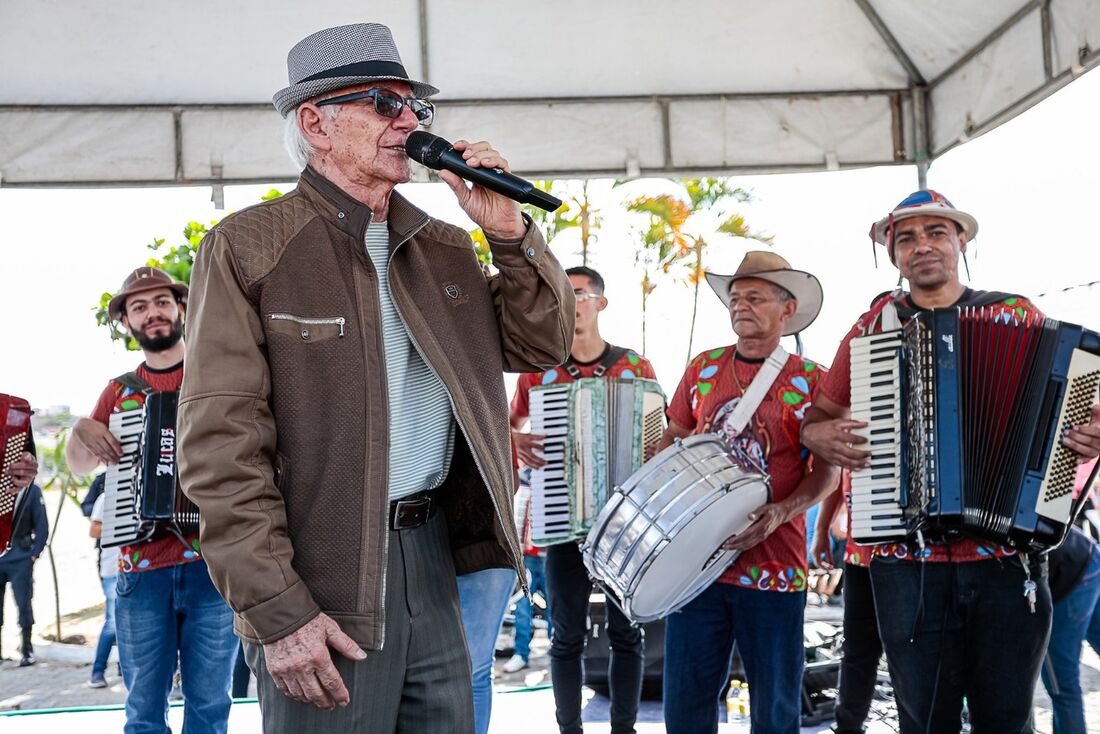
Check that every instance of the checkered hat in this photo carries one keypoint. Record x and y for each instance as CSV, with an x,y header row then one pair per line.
x,y
341,57
925,202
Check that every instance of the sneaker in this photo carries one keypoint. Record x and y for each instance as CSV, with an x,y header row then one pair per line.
x,y
97,680
514,664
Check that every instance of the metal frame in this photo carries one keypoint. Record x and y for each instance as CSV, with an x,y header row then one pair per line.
x,y
917,93
664,103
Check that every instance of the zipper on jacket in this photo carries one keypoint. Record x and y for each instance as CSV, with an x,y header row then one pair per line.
x,y
458,419
385,392
308,321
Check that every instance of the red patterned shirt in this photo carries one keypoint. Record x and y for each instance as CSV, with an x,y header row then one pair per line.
x,y
163,550
708,393
837,387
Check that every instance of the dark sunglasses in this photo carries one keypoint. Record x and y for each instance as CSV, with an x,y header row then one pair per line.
x,y
388,104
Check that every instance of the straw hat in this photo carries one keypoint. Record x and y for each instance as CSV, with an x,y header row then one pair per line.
x,y
768,266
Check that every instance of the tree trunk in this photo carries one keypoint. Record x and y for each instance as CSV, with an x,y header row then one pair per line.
x,y
698,273
645,295
691,331
586,226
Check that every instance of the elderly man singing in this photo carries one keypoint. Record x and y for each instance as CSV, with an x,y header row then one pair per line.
x,y
343,418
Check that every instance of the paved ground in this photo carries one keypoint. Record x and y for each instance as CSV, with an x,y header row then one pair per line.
x,y
58,680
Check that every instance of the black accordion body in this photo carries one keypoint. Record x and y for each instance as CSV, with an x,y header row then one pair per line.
x,y
142,493
966,410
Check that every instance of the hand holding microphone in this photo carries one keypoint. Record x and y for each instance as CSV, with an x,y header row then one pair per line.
x,y
482,165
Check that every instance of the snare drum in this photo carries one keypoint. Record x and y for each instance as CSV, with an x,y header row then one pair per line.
x,y
656,544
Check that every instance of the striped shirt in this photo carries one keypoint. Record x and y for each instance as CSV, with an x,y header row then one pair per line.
x,y
421,421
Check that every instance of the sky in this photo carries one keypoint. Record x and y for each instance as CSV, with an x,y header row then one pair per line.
x,y
1033,184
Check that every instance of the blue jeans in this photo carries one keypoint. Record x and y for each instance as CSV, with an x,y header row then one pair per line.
x,y
167,615
699,640
107,634
1076,619
961,629
536,567
484,598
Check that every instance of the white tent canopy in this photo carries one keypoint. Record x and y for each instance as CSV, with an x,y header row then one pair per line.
x,y
178,91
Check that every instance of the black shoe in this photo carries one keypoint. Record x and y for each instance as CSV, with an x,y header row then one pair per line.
x,y
27,650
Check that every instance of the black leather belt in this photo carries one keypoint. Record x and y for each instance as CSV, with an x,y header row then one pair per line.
x,y
410,512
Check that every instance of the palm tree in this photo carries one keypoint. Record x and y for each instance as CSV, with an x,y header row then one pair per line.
x,y
670,235
661,243
576,211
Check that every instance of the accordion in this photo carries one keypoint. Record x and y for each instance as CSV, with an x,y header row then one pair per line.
x,y
141,492
966,409
15,427
598,432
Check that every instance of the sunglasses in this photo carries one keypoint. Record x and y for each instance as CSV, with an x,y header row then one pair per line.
x,y
388,104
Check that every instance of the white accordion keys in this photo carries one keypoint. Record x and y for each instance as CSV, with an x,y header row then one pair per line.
x,y
120,518
876,379
550,516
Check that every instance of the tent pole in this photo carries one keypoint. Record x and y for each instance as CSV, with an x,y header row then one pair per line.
x,y
921,141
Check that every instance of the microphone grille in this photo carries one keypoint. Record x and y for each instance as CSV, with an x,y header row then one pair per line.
x,y
426,149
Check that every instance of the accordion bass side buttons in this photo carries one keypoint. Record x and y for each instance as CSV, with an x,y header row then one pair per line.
x,y
598,432
967,408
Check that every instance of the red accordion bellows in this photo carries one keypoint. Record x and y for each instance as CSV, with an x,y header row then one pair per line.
x,y
15,426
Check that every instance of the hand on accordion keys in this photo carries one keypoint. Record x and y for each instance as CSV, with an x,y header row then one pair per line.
x,y
22,472
97,439
835,442
529,448
1085,439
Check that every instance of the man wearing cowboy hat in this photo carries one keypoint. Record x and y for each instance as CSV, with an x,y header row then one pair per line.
x,y
758,602
343,418
952,624
167,609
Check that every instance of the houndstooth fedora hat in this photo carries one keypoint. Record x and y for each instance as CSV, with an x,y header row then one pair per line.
x,y
340,57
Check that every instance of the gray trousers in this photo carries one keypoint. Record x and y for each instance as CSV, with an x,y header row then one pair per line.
x,y
420,680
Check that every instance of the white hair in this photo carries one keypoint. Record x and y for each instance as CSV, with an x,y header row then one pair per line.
x,y
299,148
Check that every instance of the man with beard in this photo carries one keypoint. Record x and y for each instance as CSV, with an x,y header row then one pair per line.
x,y
167,609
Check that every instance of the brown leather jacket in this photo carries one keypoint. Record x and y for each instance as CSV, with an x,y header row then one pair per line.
x,y
283,436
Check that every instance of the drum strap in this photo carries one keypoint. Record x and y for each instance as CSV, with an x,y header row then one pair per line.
x,y
758,388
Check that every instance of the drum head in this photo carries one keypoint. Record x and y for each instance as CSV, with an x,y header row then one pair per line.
x,y
692,560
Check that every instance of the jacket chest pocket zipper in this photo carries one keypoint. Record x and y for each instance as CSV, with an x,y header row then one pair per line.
x,y
305,322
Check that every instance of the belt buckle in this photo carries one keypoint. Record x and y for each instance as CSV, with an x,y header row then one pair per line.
x,y
409,512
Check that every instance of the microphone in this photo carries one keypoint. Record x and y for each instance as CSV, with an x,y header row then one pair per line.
x,y
437,154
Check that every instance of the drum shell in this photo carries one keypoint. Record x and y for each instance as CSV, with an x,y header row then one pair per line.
x,y
680,505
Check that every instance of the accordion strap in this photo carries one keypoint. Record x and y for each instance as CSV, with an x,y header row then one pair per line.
x,y
133,381
758,388
890,320
610,356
